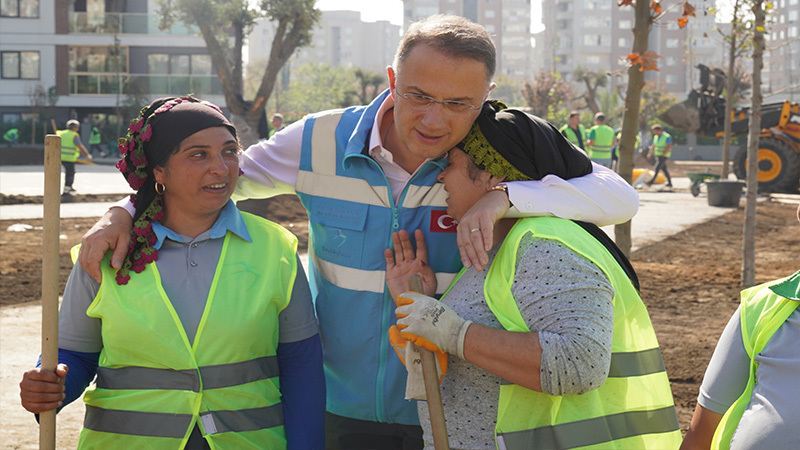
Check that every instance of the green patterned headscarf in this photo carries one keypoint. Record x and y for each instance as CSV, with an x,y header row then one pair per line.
x,y
518,146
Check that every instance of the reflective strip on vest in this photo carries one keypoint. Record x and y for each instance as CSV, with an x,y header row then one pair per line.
x,y
69,152
591,431
635,364
632,364
660,144
153,424
213,377
634,406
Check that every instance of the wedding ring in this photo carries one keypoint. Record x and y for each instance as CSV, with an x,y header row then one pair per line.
x,y
474,230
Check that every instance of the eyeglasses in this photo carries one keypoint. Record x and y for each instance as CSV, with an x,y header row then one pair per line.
x,y
421,102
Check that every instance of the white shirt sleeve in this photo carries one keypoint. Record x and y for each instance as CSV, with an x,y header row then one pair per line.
x,y
601,197
270,167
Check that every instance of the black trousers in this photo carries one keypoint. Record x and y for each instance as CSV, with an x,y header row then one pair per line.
x,y
661,164
344,433
69,168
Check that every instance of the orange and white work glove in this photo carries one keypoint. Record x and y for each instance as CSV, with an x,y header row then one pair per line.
x,y
430,324
409,355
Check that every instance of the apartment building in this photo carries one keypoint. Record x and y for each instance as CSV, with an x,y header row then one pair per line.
x,y
508,21
597,35
781,74
340,39
90,56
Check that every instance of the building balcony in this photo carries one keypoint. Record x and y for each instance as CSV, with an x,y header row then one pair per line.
x,y
143,84
121,23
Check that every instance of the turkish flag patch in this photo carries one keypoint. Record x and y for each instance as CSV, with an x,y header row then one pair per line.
x,y
442,223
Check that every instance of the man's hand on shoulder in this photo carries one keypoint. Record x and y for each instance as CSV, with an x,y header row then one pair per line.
x,y
111,232
476,228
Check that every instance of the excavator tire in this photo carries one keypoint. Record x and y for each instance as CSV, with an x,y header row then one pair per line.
x,y
778,166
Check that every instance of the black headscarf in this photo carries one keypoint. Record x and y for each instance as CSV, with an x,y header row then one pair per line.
x,y
519,146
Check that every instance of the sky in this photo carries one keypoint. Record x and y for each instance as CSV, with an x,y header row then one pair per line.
x,y
391,10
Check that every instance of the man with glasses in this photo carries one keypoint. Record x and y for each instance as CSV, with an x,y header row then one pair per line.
x,y
367,171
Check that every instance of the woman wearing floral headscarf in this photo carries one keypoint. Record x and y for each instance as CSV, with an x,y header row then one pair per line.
x,y
199,341
551,346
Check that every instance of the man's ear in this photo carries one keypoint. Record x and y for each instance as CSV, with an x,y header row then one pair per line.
x,y
390,73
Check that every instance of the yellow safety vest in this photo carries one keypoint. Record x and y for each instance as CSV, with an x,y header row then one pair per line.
x,y
632,409
761,314
572,136
153,385
69,152
603,142
660,145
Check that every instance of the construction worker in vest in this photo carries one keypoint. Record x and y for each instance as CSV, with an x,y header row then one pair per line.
x,y
750,397
11,137
551,346
96,142
574,131
206,337
662,149
71,148
366,171
600,139
277,123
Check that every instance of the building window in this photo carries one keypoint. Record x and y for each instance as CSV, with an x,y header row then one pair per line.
x,y
489,14
97,70
19,8
624,42
593,59
671,79
625,24
671,60
673,43
175,73
20,65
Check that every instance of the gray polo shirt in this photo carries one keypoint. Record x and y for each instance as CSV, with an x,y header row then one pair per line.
x,y
770,420
187,267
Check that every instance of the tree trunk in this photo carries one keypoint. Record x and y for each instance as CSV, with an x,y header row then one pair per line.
x,y
730,93
749,244
630,118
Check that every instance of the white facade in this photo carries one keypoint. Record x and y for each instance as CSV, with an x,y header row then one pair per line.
x,y
54,47
508,21
340,39
597,35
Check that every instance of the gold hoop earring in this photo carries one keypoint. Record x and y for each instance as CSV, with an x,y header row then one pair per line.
x,y
160,188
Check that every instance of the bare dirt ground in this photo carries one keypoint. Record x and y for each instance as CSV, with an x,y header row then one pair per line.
x,y
690,282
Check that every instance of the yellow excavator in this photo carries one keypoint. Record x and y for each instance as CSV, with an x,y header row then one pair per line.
x,y
779,145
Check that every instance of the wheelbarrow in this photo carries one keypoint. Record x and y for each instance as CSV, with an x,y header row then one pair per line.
x,y
699,178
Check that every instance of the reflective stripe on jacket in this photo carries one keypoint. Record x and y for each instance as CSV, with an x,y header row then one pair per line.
x,y
761,314
69,152
603,142
153,385
352,215
632,409
660,145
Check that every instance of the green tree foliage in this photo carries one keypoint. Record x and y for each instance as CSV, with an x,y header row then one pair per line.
x,y
547,96
223,24
592,80
654,102
318,87
508,91
369,84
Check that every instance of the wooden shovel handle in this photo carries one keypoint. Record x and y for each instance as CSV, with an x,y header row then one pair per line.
x,y
431,379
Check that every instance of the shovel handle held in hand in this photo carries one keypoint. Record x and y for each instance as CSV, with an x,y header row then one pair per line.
x,y
50,268
431,379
